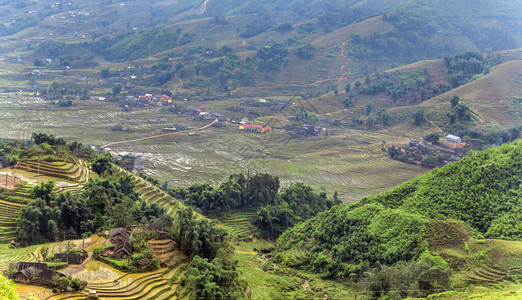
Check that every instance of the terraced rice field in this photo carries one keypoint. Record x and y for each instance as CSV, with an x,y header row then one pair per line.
x,y
239,224
160,284
488,274
8,214
340,162
153,194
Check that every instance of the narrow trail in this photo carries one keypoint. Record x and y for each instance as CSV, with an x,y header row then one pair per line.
x,y
343,54
203,7
160,135
192,11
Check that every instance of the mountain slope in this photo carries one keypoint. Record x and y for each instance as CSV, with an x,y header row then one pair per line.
x,y
482,192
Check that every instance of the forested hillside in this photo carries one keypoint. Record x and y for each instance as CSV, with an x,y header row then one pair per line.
x,y
483,190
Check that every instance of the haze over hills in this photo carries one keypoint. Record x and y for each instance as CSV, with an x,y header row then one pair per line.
x,y
225,105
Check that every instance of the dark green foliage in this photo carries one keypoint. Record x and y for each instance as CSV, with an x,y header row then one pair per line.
x,y
496,136
406,85
418,117
44,191
102,163
101,204
64,102
454,100
459,112
370,122
37,222
295,204
347,101
305,51
482,189
271,58
369,107
384,117
137,44
275,212
116,89
52,49
40,138
284,28
213,279
432,137
254,28
349,239
239,192
165,71
199,237
462,67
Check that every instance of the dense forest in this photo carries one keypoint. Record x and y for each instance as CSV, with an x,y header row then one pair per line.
x,y
275,212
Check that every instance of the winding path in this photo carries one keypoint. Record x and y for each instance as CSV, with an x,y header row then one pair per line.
x,y
161,135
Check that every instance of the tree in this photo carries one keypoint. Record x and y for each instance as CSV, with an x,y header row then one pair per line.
x,y
44,252
44,191
105,73
102,163
384,116
370,122
116,89
347,101
454,100
347,88
369,107
432,137
305,51
418,117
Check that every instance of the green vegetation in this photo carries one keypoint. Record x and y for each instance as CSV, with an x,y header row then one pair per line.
x,y
417,24
216,279
274,212
7,289
395,228
462,67
102,203
137,44
482,189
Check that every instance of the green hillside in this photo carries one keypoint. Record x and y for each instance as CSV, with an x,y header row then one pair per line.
x,y
482,190
442,212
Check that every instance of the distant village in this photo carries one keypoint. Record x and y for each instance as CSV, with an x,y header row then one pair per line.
x,y
432,154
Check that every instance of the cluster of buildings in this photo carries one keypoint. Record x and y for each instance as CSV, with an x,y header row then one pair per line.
x,y
121,244
415,152
38,272
271,103
159,100
254,128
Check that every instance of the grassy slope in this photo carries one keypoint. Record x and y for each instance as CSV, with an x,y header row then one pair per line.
x,y
492,97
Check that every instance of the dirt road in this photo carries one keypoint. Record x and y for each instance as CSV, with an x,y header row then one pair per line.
x,y
160,135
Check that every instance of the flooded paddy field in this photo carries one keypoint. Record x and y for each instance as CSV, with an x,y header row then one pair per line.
x,y
350,161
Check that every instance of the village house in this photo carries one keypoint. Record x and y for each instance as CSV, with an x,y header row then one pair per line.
x,y
166,99
70,258
123,251
453,139
118,236
30,272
